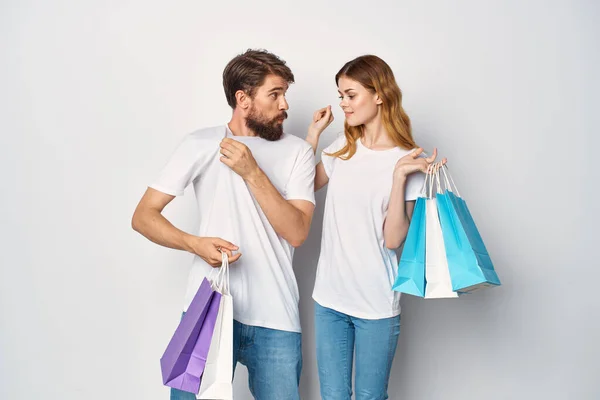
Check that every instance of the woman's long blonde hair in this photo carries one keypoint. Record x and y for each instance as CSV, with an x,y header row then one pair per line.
x,y
377,77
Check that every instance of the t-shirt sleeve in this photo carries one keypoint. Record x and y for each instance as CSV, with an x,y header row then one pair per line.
x,y
328,161
187,163
301,185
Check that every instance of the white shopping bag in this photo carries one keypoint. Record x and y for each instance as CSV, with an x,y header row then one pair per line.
x,y
437,274
218,373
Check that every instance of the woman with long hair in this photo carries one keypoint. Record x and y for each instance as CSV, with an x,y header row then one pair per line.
x,y
374,174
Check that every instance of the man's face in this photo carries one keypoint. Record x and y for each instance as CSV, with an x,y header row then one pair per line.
x,y
268,108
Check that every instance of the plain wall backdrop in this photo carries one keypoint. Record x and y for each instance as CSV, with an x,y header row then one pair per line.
x,y
94,97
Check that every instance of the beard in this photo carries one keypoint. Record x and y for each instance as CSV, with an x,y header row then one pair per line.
x,y
269,129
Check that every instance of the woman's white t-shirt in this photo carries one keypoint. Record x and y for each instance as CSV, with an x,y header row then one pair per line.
x,y
356,271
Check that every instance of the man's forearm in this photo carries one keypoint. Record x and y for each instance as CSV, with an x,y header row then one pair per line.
x,y
288,221
154,226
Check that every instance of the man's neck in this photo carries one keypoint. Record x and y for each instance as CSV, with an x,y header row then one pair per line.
x,y
238,127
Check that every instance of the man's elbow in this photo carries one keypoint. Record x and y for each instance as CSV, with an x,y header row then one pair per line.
x,y
298,240
393,244
298,237
136,220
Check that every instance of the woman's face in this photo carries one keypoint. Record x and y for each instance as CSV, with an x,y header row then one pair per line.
x,y
359,104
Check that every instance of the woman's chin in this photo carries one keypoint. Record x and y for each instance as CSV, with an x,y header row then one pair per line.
x,y
352,122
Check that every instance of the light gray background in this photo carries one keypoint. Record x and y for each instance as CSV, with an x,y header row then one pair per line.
x,y
94,96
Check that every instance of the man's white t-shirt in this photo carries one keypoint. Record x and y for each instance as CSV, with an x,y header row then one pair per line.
x,y
263,285
356,271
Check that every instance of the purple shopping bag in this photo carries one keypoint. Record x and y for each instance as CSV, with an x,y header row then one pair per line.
x,y
184,360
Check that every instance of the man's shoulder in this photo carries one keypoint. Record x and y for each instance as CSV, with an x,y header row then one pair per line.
x,y
203,134
294,143
202,140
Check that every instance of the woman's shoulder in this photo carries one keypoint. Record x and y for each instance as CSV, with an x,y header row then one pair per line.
x,y
337,144
402,151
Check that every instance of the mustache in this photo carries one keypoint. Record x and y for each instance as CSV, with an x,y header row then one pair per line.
x,y
283,115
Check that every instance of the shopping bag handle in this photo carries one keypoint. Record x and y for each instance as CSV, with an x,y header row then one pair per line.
x,y
436,177
423,191
220,281
429,180
447,175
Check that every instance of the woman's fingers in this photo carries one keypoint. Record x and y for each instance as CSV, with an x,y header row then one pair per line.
x,y
416,153
328,114
319,114
412,162
432,158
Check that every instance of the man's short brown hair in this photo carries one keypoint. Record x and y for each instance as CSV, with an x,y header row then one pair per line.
x,y
248,71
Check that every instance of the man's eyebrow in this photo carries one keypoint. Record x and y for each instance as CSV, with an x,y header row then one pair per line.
x,y
277,89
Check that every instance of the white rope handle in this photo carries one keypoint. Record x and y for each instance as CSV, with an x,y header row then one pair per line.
x,y
211,278
447,182
452,180
225,265
424,187
447,174
430,176
222,280
437,179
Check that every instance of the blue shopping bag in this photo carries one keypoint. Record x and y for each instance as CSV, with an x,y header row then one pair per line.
x,y
469,262
411,269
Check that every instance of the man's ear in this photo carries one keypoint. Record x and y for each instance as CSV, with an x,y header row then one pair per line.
x,y
242,99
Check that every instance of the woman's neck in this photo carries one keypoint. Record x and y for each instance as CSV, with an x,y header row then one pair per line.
x,y
375,135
